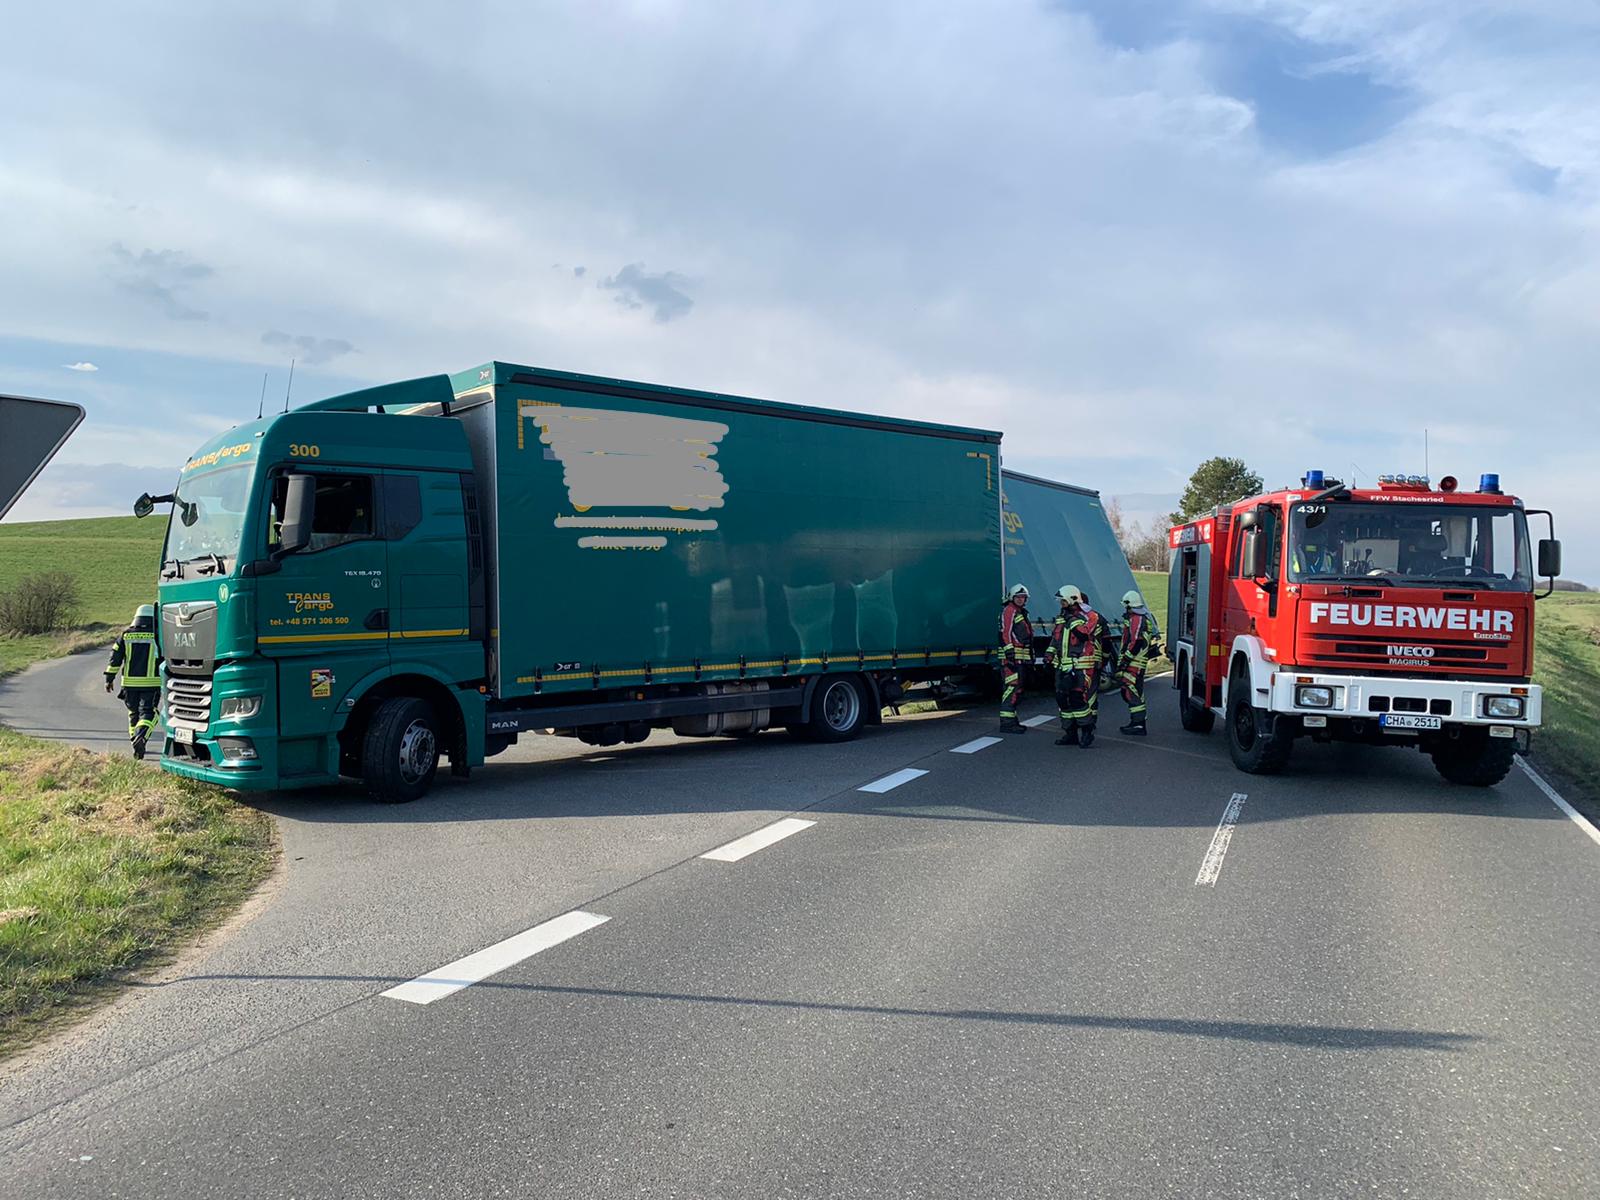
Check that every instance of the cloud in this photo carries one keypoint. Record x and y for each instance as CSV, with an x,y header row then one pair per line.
x,y
311,350
661,293
158,276
81,366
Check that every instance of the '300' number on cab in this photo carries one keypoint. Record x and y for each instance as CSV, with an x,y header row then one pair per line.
x,y
304,450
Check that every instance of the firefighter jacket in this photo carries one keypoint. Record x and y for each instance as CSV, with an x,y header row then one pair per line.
x,y
1079,642
134,653
1139,636
1016,634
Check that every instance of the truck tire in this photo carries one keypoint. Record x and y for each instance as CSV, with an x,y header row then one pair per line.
x,y
1474,761
838,709
1196,718
400,751
1253,750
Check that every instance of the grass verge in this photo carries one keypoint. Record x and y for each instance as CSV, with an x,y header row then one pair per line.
x,y
106,866
19,652
1566,663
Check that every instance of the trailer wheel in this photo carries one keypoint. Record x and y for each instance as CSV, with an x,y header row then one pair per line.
x,y
1196,718
1252,748
838,710
1474,761
400,752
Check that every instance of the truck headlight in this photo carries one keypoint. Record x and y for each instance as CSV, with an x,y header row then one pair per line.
x,y
1504,707
237,749
240,708
1313,696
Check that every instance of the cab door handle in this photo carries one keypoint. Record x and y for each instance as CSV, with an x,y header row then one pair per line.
x,y
378,618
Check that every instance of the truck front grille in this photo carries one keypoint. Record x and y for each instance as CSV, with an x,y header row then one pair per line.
x,y
188,703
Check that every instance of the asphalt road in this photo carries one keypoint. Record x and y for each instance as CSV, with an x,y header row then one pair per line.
x,y
999,978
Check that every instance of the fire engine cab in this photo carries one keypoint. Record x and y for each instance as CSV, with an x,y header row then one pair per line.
x,y
1395,615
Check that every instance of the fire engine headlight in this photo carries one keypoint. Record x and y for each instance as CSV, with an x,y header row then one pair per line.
x,y
237,749
1313,696
1509,707
240,708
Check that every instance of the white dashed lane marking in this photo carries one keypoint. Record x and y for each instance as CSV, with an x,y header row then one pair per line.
x,y
1041,719
975,745
759,840
889,782
1554,796
1211,866
491,960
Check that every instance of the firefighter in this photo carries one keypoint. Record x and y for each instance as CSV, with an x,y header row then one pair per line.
x,y
1140,638
1016,650
1076,650
135,655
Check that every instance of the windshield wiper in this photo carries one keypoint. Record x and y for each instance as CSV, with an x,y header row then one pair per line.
x,y
1381,578
217,565
175,564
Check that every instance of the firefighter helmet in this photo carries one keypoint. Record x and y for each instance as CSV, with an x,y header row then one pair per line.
x,y
1132,599
145,610
1016,590
1070,594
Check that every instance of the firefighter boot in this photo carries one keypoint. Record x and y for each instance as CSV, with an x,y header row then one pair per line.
x,y
1012,725
1134,728
1087,738
1069,738
139,743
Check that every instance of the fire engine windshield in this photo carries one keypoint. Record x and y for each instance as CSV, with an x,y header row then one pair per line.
x,y
1410,545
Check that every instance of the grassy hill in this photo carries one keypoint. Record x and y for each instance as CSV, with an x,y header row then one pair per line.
x,y
115,559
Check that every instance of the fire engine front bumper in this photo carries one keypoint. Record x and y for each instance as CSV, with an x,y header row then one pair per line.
x,y
1454,701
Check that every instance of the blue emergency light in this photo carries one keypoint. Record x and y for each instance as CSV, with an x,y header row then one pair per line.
x,y
1313,479
1489,484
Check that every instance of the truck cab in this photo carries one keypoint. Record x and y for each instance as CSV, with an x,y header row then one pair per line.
x,y
1395,615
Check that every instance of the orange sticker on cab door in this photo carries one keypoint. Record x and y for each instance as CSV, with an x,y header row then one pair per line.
x,y
321,683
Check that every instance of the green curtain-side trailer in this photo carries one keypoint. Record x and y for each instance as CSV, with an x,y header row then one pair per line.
x,y
639,536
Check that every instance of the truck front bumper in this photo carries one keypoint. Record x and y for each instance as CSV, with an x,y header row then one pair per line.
x,y
1454,701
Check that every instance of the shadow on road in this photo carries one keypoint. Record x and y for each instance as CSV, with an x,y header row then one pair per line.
x,y
1322,1037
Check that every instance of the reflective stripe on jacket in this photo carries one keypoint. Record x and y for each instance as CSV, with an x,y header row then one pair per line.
x,y
136,655
1016,633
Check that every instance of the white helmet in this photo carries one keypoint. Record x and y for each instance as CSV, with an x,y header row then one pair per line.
x,y
1132,599
1070,594
1016,590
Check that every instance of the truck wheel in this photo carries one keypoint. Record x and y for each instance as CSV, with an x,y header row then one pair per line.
x,y
838,709
400,752
1196,718
1474,761
1252,749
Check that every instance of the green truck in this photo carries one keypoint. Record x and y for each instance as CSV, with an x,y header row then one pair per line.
x,y
431,568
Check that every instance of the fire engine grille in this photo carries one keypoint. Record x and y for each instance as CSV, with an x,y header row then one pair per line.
x,y
188,703
1356,651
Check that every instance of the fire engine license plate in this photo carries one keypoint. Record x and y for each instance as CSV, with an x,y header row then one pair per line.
x,y
186,736
1409,721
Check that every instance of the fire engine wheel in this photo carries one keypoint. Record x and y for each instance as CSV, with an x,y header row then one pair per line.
x,y
1474,761
400,752
838,710
1252,749
1196,718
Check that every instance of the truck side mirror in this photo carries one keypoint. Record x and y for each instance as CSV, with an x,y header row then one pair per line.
x,y
299,507
145,505
1255,553
1549,557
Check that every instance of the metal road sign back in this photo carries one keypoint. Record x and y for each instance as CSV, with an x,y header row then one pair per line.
x,y
31,431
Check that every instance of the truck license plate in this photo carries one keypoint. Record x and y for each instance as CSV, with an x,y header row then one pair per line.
x,y
1409,721
186,736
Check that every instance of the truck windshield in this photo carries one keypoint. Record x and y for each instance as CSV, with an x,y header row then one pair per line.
x,y
207,519
1410,545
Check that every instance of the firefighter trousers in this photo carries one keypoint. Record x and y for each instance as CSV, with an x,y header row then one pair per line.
x,y
1131,680
1010,689
141,704
1078,698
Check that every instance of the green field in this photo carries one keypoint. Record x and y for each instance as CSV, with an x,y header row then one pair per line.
x,y
1566,663
115,559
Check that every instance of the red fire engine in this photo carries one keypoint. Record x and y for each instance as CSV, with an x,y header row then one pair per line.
x,y
1395,615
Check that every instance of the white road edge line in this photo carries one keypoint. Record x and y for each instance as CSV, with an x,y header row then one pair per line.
x,y
491,960
1578,819
975,745
1211,865
759,840
1041,719
889,782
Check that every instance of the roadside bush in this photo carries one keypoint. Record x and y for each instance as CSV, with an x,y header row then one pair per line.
x,y
40,603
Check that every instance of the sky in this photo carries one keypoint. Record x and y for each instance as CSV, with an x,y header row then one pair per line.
x,y
1129,234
